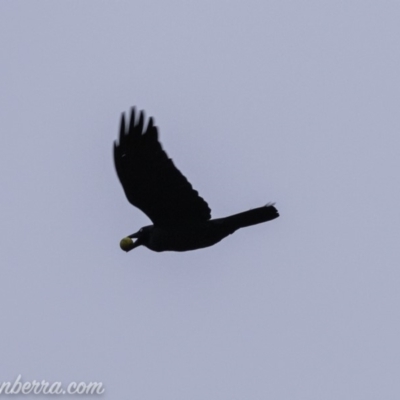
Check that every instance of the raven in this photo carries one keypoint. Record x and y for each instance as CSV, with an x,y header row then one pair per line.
x,y
182,219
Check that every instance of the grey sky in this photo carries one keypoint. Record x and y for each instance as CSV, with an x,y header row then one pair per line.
x,y
286,101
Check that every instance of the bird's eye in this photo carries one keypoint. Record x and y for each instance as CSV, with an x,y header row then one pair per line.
x,y
141,230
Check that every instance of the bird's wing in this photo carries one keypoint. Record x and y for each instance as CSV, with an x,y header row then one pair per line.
x,y
150,179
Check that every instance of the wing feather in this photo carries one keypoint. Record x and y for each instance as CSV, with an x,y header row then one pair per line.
x,y
150,179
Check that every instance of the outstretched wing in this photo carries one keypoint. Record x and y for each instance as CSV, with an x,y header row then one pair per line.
x,y
150,179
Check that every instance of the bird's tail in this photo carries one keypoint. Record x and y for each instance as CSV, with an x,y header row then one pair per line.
x,y
251,217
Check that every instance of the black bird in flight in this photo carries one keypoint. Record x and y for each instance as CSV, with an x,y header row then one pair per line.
x,y
182,219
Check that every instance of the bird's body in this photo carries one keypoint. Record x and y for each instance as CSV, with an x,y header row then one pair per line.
x,y
184,237
197,235
182,219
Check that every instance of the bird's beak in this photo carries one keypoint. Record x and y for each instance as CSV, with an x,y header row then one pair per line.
x,y
127,244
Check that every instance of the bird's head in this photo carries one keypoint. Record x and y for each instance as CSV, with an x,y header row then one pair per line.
x,y
142,237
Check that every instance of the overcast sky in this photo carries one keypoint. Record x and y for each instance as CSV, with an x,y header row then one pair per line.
x,y
285,101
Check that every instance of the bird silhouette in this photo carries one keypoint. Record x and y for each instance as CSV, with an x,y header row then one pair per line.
x,y
181,218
